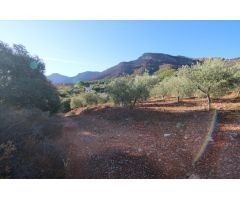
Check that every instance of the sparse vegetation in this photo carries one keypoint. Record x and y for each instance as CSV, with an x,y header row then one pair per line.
x,y
88,99
33,142
28,146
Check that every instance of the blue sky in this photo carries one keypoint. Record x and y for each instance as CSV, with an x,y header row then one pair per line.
x,y
70,47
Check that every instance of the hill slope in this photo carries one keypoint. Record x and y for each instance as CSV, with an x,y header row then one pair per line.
x,y
58,78
148,61
61,79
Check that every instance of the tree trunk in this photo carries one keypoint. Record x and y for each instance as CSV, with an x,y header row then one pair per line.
x,y
133,104
163,98
178,99
209,102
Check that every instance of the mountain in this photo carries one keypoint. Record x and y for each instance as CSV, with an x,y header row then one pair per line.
x,y
61,79
84,76
148,61
58,78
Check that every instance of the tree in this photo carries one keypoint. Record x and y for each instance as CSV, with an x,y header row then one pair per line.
x,y
164,73
236,81
179,87
213,77
127,91
22,82
160,89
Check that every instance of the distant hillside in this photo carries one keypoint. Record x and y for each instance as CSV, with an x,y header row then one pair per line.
x,y
58,78
61,79
148,61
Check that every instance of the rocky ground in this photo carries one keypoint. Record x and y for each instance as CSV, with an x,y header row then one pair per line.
x,y
156,140
222,157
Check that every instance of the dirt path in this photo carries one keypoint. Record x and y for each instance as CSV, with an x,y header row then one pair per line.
x,y
222,157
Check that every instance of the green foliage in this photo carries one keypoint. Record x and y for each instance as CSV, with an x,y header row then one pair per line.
x,y
103,98
213,77
175,86
236,78
99,86
78,87
179,87
127,91
65,105
160,89
23,84
91,98
77,101
164,73
88,99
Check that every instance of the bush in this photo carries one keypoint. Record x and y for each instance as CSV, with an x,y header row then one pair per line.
x,y
103,98
65,105
77,101
90,98
29,144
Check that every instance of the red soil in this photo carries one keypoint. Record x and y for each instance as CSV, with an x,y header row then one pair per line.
x,y
156,140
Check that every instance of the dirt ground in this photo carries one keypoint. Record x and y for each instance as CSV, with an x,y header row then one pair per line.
x,y
156,140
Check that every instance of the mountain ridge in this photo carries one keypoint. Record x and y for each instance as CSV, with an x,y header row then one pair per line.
x,y
57,78
147,61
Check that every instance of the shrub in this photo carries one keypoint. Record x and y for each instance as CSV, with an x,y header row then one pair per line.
x,y
90,98
29,144
77,101
103,98
65,105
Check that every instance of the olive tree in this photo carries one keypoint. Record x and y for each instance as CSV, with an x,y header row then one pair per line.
x,y
236,80
179,87
213,77
127,91
164,73
160,89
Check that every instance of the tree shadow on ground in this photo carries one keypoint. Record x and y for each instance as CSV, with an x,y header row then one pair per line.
x,y
232,100
139,114
170,104
116,164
